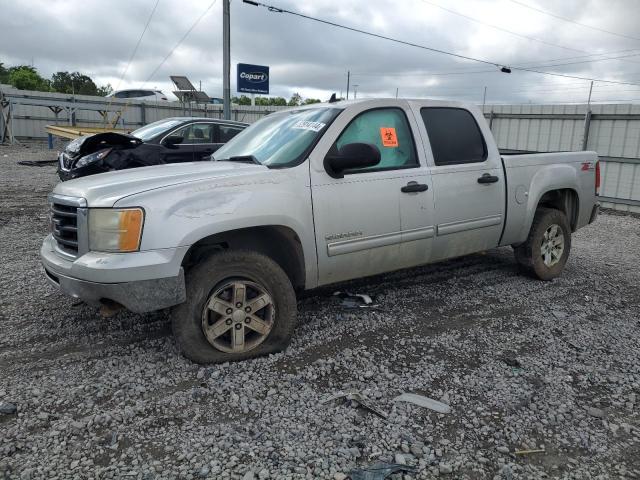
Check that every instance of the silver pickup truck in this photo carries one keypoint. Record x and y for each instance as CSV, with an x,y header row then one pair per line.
x,y
309,197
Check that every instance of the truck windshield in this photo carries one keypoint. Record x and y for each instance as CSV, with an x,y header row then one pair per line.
x,y
281,139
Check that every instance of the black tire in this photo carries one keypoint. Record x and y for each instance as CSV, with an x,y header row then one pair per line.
x,y
529,254
203,280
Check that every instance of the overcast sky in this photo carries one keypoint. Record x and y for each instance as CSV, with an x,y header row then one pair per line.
x,y
97,37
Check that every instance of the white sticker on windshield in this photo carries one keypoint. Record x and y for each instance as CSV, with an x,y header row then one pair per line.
x,y
313,126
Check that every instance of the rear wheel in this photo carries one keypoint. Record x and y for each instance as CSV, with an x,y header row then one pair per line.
x,y
547,248
240,304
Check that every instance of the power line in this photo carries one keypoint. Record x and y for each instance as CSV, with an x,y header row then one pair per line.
x,y
271,8
559,17
465,72
184,37
135,49
500,28
526,37
500,65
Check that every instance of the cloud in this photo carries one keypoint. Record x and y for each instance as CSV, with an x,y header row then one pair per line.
x,y
97,38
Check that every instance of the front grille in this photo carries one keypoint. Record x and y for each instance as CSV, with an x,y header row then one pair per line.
x,y
64,227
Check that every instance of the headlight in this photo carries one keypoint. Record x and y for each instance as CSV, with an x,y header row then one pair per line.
x,y
115,230
94,157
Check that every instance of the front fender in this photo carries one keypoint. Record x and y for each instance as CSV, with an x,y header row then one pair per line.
x,y
181,215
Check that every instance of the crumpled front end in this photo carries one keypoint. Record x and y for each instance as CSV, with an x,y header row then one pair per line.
x,y
97,153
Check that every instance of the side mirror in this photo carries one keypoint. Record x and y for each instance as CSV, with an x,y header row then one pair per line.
x,y
351,156
173,140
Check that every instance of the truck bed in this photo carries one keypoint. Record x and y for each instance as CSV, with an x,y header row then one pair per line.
x,y
530,175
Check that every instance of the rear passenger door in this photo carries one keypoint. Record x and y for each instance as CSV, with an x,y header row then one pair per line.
x,y
468,180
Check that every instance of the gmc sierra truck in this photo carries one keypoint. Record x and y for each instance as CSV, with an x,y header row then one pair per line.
x,y
309,197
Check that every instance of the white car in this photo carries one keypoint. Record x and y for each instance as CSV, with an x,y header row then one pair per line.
x,y
138,94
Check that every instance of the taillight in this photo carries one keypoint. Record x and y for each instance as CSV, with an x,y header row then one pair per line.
x,y
598,177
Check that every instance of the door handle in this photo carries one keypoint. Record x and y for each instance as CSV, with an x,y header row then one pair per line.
x,y
414,187
488,178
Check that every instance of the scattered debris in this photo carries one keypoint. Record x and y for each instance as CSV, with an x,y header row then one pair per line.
x,y
37,163
357,398
7,408
527,452
510,359
379,471
423,401
355,300
249,475
596,412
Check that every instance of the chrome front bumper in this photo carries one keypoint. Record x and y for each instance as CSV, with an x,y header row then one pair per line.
x,y
141,296
140,281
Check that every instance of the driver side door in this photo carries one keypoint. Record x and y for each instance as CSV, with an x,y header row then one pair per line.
x,y
357,218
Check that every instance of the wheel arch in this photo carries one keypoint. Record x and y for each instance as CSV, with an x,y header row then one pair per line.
x,y
564,199
280,243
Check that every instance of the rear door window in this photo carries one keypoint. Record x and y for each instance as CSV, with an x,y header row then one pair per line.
x,y
454,135
387,129
226,133
196,133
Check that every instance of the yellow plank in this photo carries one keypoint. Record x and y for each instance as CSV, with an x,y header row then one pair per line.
x,y
75,132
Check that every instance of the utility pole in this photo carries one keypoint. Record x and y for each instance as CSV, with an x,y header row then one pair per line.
x,y
226,59
355,90
484,99
396,92
587,120
348,78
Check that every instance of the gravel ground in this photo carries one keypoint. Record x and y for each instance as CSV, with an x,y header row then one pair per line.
x,y
523,364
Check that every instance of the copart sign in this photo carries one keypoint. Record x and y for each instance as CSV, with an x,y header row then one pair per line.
x,y
253,78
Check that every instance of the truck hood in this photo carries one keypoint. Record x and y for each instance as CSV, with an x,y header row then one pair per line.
x,y
105,189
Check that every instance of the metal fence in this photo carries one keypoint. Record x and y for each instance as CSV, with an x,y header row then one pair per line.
x,y
25,113
611,130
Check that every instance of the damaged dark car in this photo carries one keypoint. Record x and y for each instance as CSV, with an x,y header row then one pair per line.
x,y
171,140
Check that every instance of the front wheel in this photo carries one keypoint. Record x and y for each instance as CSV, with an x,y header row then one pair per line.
x,y
240,304
546,250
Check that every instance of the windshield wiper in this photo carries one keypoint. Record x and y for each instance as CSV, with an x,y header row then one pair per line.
x,y
240,158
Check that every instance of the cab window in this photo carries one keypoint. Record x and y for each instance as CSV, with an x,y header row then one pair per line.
x,y
454,136
387,129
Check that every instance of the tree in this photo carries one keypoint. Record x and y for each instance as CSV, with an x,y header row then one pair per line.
x,y
309,101
278,101
105,90
25,77
75,83
4,74
296,99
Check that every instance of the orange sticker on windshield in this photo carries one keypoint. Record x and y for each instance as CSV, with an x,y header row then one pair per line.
x,y
389,137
